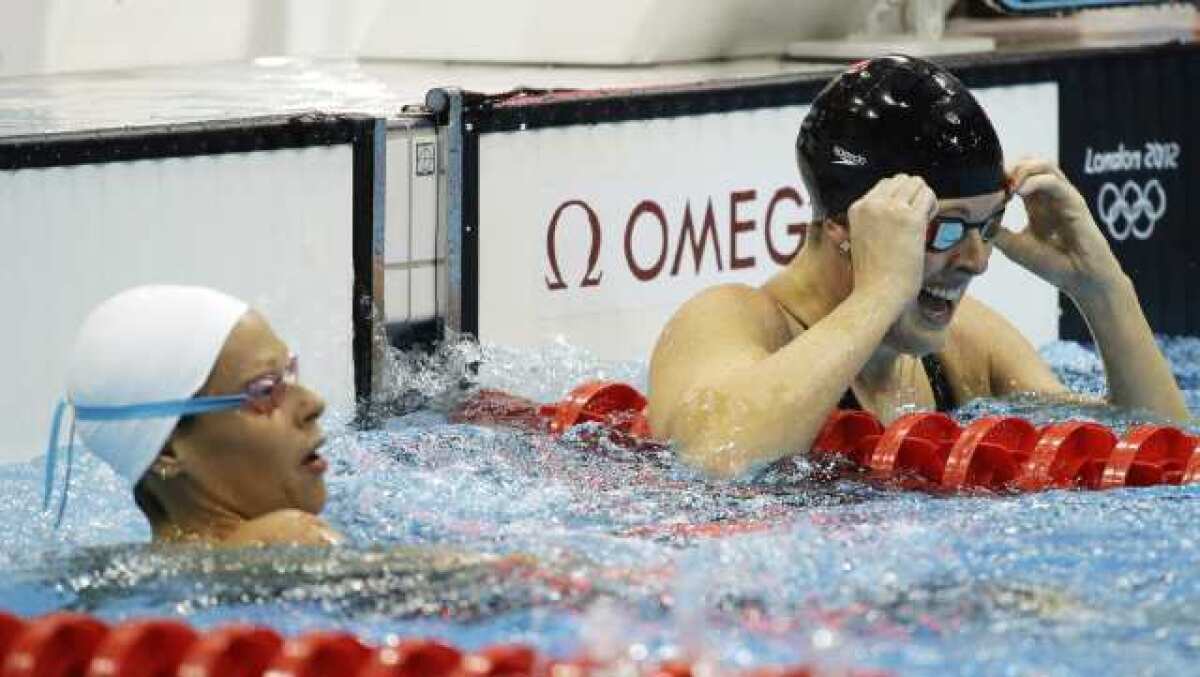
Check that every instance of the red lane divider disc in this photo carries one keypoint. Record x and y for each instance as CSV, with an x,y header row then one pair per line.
x,y
503,660
413,658
579,667
596,401
231,651
1152,455
147,648
917,443
57,645
782,672
673,669
1191,470
320,654
1066,455
10,628
989,453
848,433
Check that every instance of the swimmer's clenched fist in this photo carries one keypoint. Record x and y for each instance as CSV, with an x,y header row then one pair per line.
x,y
887,236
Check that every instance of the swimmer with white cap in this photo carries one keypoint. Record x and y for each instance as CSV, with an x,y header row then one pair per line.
x,y
189,395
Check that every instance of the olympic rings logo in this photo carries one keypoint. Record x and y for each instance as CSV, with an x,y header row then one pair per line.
x,y
1131,209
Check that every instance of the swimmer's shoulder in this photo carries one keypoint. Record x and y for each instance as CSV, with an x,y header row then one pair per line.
x,y
977,330
986,355
734,312
284,527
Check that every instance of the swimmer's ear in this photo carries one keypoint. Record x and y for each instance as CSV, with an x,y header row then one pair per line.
x,y
835,230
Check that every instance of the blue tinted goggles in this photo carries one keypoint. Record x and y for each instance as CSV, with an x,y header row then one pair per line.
x,y
945,232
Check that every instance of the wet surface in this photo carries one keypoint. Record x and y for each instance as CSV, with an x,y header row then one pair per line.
x,y
481,534
282,86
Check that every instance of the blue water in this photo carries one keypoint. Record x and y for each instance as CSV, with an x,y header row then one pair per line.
x,y
481,535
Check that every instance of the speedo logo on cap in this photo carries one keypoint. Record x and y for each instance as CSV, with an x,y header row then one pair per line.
x,y
845,157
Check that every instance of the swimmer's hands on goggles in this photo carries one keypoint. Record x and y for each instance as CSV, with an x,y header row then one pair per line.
x,y
946,232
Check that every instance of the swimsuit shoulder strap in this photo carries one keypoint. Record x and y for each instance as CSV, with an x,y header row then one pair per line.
x,y
943,397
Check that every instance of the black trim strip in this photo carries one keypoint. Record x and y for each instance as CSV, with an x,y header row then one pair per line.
x,y
532,109
470,232
502,115
172,141
368,212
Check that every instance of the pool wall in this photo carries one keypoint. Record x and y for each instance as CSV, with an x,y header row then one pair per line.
x,y
279,211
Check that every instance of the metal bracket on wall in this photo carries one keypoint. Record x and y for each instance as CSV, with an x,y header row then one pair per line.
x,y
460,142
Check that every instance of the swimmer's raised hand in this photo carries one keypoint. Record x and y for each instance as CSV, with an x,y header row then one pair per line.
x,y
887,236
1062,243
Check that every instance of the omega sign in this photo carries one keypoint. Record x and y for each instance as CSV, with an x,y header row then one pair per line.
x,y
720,231
1132,207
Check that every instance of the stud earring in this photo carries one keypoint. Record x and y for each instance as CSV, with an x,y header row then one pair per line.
x,y
165,472
844,247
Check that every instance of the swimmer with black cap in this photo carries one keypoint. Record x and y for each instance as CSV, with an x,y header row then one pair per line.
x,y
908,186
188,394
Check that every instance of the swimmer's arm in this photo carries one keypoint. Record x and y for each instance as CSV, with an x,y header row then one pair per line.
x,y
1138,373
284,527
730,389
1132,360
1064,246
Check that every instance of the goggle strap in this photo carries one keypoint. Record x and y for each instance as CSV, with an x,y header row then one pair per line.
x,y
62,502
52,463
198,405
163,409
52,454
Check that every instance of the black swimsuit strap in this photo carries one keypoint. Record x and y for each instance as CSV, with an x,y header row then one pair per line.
x,y
943,396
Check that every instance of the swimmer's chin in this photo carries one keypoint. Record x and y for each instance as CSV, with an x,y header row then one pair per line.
x,y
911,336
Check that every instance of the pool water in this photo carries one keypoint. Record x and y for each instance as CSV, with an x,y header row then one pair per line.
x,y
482,535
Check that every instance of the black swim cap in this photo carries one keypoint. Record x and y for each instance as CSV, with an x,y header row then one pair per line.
x,y
890,115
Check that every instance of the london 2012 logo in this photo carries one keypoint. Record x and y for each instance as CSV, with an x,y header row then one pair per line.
x,y
1131,208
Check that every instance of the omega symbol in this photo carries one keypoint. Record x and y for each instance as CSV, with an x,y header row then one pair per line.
x,y
591,277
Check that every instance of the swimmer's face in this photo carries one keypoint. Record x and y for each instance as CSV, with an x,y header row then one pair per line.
x,y
921,328
248,462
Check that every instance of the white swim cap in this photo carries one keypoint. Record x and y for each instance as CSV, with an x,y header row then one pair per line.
x,y
145,344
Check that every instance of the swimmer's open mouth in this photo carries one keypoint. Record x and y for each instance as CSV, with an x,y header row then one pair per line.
x,y
937,303
313,461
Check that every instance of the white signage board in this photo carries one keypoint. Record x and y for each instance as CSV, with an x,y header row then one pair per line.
x,y
271,227
595,234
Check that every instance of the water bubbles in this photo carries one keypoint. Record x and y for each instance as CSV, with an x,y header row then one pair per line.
x,y
481,534
823,639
